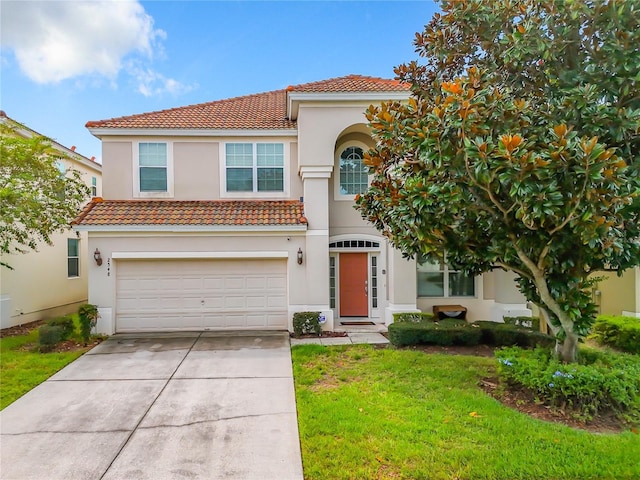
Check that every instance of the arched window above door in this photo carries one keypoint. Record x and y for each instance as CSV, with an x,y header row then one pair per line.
x,y
353,172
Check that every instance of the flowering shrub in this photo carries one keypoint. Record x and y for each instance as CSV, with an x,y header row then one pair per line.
x,y
619,332
599,383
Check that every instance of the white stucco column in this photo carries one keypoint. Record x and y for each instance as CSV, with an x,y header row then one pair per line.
x,y
401,281
316,257
102,284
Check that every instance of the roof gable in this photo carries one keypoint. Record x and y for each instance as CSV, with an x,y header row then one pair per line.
x,y
262,111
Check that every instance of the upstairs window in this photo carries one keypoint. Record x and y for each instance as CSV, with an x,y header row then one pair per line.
x,y
152,164
61,168
73,258
437,280
254,167
354,176
94,187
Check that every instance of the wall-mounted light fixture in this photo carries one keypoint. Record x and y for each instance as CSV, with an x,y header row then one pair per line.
x,y
97,257
299,256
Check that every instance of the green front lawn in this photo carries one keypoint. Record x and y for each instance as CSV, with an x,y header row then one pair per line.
x,y
367,413
22,367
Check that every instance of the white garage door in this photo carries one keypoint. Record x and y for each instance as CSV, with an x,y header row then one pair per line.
x,y
157,295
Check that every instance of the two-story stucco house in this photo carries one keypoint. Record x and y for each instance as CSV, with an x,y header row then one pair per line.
x,y
235,214
52,280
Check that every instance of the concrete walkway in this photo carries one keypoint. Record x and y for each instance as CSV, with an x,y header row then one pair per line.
x,y
351,338
161,407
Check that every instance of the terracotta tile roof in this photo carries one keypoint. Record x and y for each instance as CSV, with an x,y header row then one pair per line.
x,y
192,213
351,83
262,111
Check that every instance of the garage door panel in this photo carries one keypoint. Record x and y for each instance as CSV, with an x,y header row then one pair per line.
x,y
257,321
214,303
201,294
209,283
275,301
277,282
256,301
166,321
234,283
276,320
238,321
256,283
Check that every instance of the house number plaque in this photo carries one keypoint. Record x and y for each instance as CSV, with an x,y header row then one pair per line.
x,y
108,267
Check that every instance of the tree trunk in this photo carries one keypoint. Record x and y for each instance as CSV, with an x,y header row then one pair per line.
x,y
568,350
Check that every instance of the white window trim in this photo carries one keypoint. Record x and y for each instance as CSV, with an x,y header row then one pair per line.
x,y
94,186
340,197
286,146
77,257
136,170
446,273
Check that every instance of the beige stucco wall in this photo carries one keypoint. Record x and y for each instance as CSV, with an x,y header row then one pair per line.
x,y
196,167
506,290
321,125
117,169
38,287
619,294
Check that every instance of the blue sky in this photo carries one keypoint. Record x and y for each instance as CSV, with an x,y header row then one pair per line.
x,y
66,62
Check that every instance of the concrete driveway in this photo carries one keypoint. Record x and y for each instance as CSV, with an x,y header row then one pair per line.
x,y
161,406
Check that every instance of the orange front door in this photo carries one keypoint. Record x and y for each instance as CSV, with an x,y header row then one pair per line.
x,y
354,297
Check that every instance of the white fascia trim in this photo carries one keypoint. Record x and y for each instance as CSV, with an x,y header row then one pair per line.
x,y
96,167
319,233
294,98
191,132
188,228
178,255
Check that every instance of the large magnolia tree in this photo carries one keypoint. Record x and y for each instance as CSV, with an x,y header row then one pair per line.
x,y
36,198
519,149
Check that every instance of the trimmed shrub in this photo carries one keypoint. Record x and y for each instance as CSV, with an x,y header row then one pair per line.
x,y
600,383
413,317
509,335
49,336
306,323
532,323
445,332
66,323
88,315
618,331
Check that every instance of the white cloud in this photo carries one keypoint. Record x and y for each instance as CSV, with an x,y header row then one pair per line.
x,y
150,83
58,40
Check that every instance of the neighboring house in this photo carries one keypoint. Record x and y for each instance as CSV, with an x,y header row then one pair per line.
x,y
235,214
52,280
619,295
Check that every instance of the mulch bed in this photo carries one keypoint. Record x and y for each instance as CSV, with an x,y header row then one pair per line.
x,y
322,335
522,400
20,329
525,402
62,347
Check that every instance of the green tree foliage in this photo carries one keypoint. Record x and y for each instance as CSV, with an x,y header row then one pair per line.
x,y
518,149
36,199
